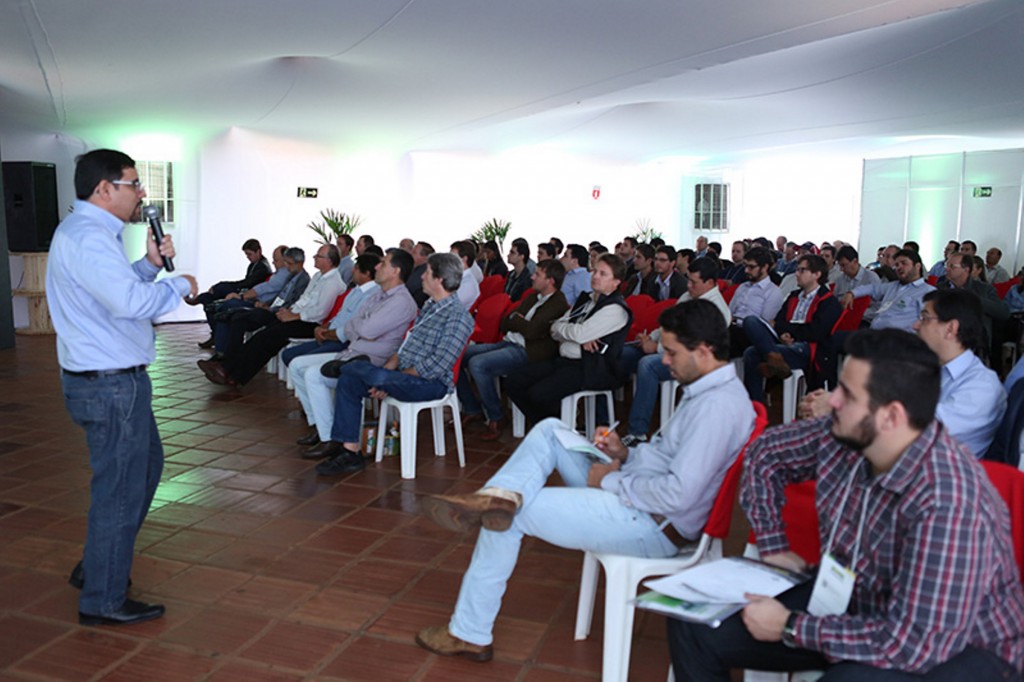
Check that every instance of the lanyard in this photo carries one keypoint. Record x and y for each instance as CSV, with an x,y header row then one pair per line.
x,y
860,523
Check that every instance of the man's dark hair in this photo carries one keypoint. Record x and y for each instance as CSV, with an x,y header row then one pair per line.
x,y
252,245
615,263
93,167
374,250
367,264
466,250
548,248
848,252
831,249
955,243
333,255
687,253
367,240
964,307
599,248
522,247
347,238
631,241
668,251
761,256
912,246
705,268
402,260
716,247
553,268
815,264
579,253
968,241
764,243
295,253
914,257
558,244
426,247
695,322
647,250
657,242
903,370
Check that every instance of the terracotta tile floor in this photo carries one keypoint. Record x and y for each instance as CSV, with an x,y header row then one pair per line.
x,y
267,570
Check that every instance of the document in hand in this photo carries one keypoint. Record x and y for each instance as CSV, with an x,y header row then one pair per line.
x,y
570,440
711,592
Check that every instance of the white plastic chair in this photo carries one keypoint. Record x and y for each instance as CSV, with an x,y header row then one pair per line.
x,y
623,574
668,399
793,389
570,403
408,414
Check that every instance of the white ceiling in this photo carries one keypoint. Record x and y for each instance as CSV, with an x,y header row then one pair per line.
x,y
628,80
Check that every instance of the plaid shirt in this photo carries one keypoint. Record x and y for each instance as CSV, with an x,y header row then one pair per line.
x,y
437,340
935,568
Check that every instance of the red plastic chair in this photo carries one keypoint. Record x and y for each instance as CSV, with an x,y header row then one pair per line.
x,y
1009,482
647,321
487,328
637,305
337,307
1004,287
931,279
729,292
850,319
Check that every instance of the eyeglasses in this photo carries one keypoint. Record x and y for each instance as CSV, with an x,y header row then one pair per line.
x,y
925,317
137,184
801,269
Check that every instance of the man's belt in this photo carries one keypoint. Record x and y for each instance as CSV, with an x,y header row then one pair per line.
x,y
673,535
96,373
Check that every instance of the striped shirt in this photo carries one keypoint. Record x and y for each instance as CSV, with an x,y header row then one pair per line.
x,y
935,568
437,340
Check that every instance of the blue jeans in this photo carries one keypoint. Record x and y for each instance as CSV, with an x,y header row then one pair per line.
x,y
762,342
355,381
649,374
310,348
126,459
486,362
572,516
631,356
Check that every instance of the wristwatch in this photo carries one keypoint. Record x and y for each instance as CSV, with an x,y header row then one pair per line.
x,y
789,630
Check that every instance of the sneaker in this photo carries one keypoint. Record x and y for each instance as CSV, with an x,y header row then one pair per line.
x,y
631,439
438,640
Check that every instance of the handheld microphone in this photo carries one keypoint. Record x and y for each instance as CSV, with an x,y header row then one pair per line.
x,y
152,214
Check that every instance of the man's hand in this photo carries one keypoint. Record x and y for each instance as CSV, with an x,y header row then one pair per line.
x,y
647,345
765,618
392,362
598,471
814,405
285,315
232,296
261,304
590,346
847,300
249,295
192,282
155,252
610,444
789,560
787,339
320,333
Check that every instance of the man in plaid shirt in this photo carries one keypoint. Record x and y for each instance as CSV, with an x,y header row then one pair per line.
x,y
420,370
903,506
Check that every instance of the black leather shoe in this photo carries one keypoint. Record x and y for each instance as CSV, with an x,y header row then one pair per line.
x,y
348,462
131,612
328,448
77,577
311,438
206,345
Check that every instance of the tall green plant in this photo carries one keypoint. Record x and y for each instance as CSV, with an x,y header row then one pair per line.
x,y
493,229
645,232
333,224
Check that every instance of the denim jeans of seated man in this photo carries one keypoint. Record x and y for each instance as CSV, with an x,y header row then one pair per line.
x,y
126,458
762,342
485,362
650,372
571,516
355,381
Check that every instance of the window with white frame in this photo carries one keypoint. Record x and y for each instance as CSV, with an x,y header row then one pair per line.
x,y
157,177
711,207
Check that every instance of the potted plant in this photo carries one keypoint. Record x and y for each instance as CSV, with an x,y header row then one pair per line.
x,y
333,224
495,229
644,232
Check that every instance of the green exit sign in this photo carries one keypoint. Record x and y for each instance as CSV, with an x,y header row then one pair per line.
x,y
982,192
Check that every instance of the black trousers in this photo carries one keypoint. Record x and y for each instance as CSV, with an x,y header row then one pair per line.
x,y
702,653
243,365
537,388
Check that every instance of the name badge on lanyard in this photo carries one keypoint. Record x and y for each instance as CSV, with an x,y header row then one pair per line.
x,y
833,588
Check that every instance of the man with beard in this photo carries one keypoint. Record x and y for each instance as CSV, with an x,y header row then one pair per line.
x,y
918,579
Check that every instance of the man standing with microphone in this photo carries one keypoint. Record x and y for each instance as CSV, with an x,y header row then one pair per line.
x,y
102,307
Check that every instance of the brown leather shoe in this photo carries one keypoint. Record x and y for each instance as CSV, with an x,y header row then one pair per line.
x,y
492,431
465,512
438,640
774,366
328,448
215,372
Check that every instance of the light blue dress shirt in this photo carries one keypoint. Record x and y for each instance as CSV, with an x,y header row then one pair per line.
x,y
353,301
576,282
267,291
761,299
900,304
101,304
971,402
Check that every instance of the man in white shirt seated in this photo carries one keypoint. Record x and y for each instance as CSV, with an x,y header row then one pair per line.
x,y
757,297
469,290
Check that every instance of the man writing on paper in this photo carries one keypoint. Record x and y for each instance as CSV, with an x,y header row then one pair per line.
x,y
648,502
921,579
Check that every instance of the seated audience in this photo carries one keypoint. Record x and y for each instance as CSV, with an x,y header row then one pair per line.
x,y
346,263
649,502
264,292
736,273
969,247
639,281
241,362
906,511
373,333
546,250
421,251
828,253
519,278
257,271
756,297
994,272
421,369
527,339
469,290
577,277
958,276
802,326
939,269
701,248
666,283
900,301
363,243
787,264
493,263
852,275
590,337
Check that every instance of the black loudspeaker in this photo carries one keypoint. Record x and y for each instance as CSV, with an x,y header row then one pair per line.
x,y
30,204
